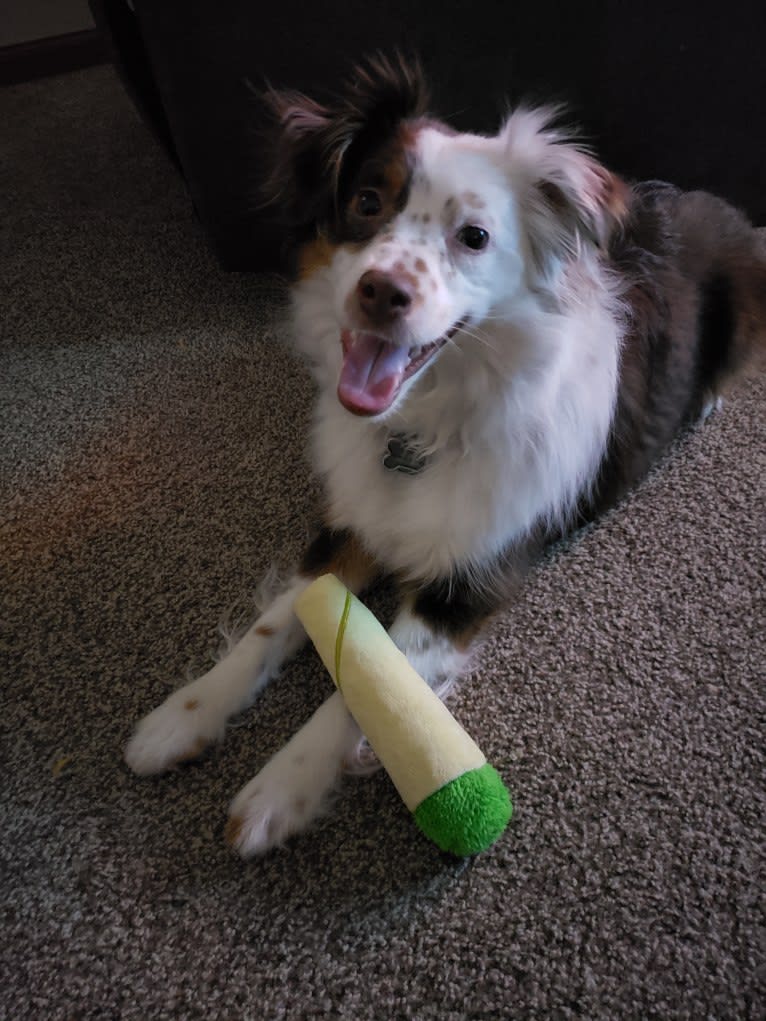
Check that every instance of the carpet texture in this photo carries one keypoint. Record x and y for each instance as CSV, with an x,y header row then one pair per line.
x,y
153,468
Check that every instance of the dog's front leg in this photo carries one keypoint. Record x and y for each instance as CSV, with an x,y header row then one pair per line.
x,y
196,715
294,787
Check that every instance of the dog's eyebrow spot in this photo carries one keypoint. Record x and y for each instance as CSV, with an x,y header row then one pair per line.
x,y
420,266
470,198
192,704
266,630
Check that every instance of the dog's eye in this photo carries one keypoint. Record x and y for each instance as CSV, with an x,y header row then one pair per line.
x,y
472,237
368,202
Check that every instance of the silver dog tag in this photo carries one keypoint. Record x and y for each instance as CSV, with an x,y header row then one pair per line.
x,y
403,456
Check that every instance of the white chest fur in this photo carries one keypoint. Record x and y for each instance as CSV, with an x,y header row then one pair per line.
x,y
514,430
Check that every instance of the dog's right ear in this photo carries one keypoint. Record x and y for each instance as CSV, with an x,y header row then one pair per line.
x,y
314,148
295,181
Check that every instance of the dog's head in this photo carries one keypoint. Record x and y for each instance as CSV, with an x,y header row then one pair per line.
x,y
417,233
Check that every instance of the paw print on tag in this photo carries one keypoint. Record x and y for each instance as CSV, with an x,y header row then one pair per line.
x,y
404,457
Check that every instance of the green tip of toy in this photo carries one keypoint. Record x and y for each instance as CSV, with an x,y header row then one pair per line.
x,y
467,814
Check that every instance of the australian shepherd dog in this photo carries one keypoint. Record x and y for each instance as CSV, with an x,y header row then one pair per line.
x,y
504,337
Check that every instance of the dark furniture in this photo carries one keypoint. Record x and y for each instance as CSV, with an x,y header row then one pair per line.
x,y
672,91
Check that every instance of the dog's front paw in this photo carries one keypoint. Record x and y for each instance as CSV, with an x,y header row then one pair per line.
x,y
283,799
178,730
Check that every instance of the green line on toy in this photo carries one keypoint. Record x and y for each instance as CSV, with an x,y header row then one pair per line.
x,y
340,636
457,798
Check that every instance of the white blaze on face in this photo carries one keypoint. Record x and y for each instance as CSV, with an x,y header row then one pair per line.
x,y
458,183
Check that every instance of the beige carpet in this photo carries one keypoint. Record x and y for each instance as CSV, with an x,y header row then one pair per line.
x,y
152,469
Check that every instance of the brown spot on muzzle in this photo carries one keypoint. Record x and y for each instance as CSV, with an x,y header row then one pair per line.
x,y
404,275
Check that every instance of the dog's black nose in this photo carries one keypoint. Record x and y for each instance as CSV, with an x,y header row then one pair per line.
x,y
383,297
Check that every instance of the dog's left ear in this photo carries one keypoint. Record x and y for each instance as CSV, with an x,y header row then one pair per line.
x,y
568,197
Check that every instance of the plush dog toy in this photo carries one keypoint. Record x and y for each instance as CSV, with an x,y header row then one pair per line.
x,y
457,798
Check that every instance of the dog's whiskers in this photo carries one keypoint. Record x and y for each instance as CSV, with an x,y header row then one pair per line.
x,y
477,334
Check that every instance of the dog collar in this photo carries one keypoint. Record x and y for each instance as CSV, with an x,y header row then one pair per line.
x,y
402,455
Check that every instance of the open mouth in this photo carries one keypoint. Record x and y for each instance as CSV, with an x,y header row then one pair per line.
x,y
374,370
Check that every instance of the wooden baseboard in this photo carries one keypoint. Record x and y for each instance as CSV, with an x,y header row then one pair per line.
x,y
55,55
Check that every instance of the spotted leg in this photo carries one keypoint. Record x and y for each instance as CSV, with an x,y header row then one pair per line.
x,y
196,715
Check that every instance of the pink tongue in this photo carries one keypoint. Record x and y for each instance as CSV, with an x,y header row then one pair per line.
x,y
372,373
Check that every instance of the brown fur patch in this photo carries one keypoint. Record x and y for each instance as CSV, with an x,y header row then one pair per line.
x,y
192,704
458,608
387,170
316,151
448,211
266,630
616,197
420,266
233,830
194,751
398,171
685,255
340,553
404,276
470,198
313,256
